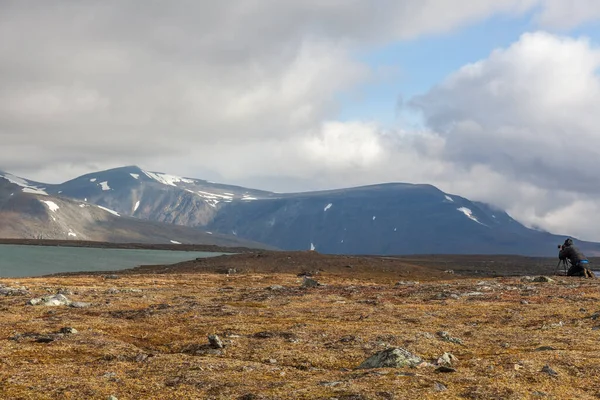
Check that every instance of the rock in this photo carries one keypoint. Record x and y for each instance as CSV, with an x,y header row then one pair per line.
x,y
45,339
64,291
112,276
391,358
330,384
68,330
111,397
542,279
527,279
471,294
546,369
215,342
446,336
113,290
141,357
539,394
310,283
449,271
51,301
447,359
406,283
524,302
231,271
275,288
9,291
438,387
79,304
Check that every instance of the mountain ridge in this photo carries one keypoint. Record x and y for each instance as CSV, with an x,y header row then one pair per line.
x,y
392,218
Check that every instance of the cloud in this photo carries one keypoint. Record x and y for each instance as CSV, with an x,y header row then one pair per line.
x,y
248,91
528,114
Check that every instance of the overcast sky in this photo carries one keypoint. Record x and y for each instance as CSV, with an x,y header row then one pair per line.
x,y
494,100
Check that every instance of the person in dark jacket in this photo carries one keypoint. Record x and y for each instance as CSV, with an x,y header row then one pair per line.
x,y
579,262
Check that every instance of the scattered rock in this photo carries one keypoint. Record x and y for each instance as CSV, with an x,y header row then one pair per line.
x,y
112,276
546,369
596,328
51,301
447,359
449,271
79,304
67,330
545,348
406,283
141,357
527,279
446,336
112,290
310,283
391,358
215,342
543,279
524,302
471,294
539,394
112,398
231,271
275,288
438,387
64,291
9,291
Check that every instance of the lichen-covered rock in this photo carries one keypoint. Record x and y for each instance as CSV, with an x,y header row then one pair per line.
x,y
215,342
310,283
447,359
392,358
543,279
9,291
51,301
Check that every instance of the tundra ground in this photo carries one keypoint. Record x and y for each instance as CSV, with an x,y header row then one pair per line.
x,y
145,334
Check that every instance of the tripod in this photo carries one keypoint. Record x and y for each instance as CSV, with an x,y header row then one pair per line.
x,y
565,264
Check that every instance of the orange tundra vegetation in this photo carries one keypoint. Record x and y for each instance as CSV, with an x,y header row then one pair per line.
x,y
256,326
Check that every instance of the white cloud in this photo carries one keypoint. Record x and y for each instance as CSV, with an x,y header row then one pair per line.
x,y
248,92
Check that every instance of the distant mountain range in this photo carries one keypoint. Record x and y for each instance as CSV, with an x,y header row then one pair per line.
x,y
385,219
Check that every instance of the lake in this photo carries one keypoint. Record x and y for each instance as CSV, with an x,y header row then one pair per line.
x,y
24,260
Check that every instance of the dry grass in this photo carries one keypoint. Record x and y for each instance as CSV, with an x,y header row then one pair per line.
x,y
299,343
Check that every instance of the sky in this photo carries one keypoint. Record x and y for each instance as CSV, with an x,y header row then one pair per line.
x,y
494,100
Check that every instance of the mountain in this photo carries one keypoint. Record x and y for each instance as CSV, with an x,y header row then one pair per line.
x,y
385,219
28,211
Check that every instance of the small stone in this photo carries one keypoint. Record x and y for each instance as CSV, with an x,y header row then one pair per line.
x,y
275,288
141,357
524,302
310,283
68,330
391,358
64,291
438,387
539,394
447,359
543,279
112,276
471,294
446,336
79,304
112,397
445,369
215,342
272,361
595,328
546,369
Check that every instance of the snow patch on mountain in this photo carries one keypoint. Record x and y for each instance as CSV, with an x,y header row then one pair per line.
x,y
167,179
312,247
71,233
135,176
469,214
328,206
51,205
175,242
104,185
93,180
109,210
449,199
137,204
26,185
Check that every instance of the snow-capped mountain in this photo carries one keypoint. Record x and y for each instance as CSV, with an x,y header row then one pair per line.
x,y
388,219
28,211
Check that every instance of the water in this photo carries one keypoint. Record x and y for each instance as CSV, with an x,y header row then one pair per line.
x,y
23,260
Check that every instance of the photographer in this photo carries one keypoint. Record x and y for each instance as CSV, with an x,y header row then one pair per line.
x,y
579,262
